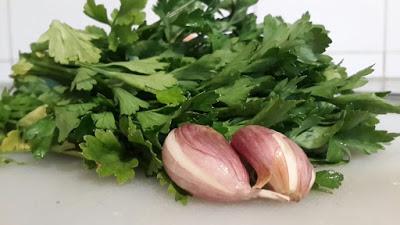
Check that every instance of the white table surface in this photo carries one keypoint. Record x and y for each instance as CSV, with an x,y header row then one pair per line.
x,y
59,191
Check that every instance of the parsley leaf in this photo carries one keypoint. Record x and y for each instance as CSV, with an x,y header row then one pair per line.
x,y
152,83
366,101
34,116
84,80
104,120
365,138
144,66
337,151
130,12
13,142
357,80
68,45
317,136
22,67
97,12
128,104
203,102
275,111
171,96
105,149
327,180
237,93
153,121
136,137
204,68
40,136
68,117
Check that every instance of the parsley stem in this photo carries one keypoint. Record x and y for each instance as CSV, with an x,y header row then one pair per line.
x,y
72,153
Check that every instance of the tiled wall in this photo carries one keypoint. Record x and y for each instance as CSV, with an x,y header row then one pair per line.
x,y
365,32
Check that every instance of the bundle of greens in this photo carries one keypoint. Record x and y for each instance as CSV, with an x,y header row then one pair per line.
x,y
110,96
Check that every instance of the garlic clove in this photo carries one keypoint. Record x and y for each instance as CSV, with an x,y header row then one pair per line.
x,y
242,141
201,161
278,161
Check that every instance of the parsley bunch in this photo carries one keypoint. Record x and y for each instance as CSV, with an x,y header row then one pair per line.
x,y
110,94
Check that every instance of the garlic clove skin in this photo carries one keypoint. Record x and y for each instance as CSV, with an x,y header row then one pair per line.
x,y
201,161
278,161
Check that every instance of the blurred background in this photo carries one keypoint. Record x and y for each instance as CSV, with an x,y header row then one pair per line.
x,y
364,32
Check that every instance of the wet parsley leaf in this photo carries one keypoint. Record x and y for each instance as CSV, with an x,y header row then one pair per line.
x,y
328,180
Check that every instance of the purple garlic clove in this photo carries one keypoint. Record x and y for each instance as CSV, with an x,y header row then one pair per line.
x,y
201,161
279,162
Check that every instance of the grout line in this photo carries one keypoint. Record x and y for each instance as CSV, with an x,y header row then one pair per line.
x,y
392,51
387,78
10,39
385,37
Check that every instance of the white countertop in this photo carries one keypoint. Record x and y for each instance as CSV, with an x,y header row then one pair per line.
x,y
59,191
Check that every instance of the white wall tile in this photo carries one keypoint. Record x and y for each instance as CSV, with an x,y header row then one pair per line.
x,y
393,65
5,71
393,42
355,25
151,17
4,45
378,85
373,85
357,62
252,9
393,85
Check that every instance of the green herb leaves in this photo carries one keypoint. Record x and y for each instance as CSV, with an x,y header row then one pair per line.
x,y
152,83
327,180
84,80
130,13
68,45
40,136
97,12
128,103
105,149
369,102
143,66
68,117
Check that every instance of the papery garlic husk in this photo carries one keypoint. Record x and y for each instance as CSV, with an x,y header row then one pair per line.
x,y
201,161
277,160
